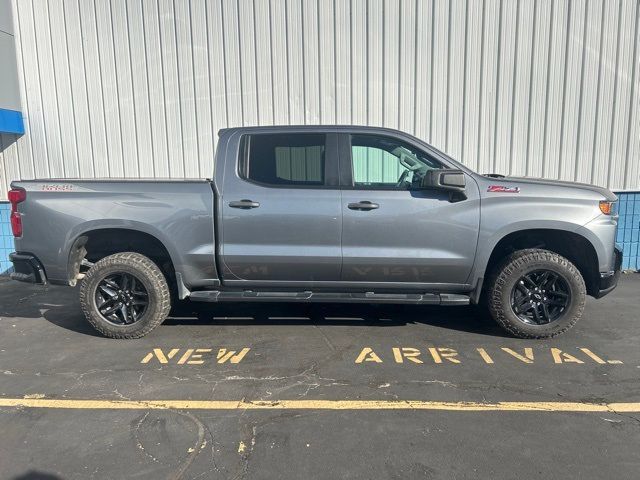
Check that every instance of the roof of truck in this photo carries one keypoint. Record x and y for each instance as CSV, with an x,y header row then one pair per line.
x,y
319,128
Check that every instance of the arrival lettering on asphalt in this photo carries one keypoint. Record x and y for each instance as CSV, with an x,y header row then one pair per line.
x,y
444,355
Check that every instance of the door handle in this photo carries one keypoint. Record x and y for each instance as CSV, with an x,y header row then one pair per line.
x,y
364,205
244,204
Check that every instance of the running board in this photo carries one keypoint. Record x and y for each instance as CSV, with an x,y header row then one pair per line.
x,y
308,296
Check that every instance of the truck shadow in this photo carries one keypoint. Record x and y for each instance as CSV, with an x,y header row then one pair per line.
x,y
464,318
59,306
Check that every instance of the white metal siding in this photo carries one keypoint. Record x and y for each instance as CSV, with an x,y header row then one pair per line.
x,y
139,88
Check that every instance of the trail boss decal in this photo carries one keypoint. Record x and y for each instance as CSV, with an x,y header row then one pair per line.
x,y
502,189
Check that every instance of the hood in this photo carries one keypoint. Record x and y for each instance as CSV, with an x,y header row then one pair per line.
x,y
607,194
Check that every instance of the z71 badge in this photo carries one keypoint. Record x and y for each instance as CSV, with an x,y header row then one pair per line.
x,y
503,189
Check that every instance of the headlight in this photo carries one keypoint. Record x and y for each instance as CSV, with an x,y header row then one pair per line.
x,y
607,207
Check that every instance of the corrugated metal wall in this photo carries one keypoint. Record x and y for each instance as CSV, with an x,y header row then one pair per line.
x,y
139,88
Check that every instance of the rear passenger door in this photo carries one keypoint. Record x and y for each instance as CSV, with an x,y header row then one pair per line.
x,y
281,211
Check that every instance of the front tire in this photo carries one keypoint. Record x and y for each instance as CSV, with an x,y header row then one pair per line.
x,y
536,293
125,296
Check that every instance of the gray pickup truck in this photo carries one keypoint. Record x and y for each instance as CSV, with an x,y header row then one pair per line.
x,y
321,214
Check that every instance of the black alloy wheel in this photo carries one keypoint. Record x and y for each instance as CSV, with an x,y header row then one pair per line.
x,y
540,297
121,298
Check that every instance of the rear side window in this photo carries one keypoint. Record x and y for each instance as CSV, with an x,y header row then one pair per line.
x,y
285,159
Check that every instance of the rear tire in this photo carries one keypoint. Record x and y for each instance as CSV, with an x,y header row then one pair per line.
x,y
125,296
555,299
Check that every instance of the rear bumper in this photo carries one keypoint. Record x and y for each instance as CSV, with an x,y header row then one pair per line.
x,y
27,268
609,280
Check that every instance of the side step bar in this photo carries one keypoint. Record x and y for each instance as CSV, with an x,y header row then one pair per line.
x,y
308,296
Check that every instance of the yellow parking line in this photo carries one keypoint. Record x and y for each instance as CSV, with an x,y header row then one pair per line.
x,y
57,403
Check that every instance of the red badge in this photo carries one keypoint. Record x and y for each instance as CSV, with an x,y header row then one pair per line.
x,y
503,189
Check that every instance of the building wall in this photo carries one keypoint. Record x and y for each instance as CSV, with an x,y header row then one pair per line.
x,y
9,90
119,88
116,88
10,114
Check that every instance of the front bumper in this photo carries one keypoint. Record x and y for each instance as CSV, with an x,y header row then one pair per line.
x,y
27,268
609,280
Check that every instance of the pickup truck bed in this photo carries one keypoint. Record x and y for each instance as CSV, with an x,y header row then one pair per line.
x,y
178,214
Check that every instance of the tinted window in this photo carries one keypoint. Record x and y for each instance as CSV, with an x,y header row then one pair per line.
x,y
285,159
379,161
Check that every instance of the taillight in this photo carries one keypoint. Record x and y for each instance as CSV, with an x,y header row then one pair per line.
x,y
16,196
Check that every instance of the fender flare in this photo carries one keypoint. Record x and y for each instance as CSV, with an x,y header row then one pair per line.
x,y
76,238
488,244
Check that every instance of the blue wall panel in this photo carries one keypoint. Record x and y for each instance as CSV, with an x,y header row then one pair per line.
x,y
6,238
11,121
629,229
628,232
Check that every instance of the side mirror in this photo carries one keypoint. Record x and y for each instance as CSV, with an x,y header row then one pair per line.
x,y
445,179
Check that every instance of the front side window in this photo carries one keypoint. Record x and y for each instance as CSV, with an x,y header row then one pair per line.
x,y
384,162
285,159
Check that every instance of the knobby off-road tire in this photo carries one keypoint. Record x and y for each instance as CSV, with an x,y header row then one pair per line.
x,y
144,272
527,262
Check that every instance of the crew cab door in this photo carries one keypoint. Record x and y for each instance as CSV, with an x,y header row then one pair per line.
x,y
396,232
281,214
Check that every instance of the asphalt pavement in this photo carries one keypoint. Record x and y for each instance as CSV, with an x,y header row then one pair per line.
x,y
317,391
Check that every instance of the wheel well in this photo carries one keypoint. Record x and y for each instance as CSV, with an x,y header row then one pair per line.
x,y
577,249
96,244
